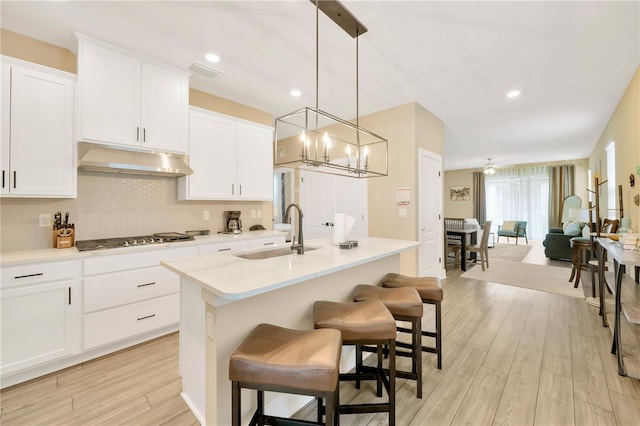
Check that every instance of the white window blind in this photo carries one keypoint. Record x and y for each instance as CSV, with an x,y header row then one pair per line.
x,y
520,194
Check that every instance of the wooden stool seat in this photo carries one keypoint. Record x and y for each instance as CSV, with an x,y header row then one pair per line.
x,y
430,292
405,304
364,323
278,359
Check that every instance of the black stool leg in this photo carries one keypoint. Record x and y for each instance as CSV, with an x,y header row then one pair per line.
x,y
260,411
416,367
439,334
392,383
379,378
358,363
235,403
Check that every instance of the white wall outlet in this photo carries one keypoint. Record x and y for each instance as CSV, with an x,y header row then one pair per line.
x,y
259,212
402,212
205,215
44,219
253,214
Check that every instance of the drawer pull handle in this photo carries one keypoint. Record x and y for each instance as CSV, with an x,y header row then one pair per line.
x,y
39,274
225,249
148,316
269,244
144,285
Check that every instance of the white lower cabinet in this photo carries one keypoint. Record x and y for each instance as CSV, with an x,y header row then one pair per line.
x,y
129,320
126,295
40,319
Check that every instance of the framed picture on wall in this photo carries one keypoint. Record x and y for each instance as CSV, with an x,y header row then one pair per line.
x,y
460,193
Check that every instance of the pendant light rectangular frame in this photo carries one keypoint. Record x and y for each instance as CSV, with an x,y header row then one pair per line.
x,y
312,139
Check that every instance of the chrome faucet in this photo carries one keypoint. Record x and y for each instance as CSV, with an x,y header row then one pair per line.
x,y
300,246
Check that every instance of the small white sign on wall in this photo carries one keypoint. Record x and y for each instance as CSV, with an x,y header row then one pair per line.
x,y
403,195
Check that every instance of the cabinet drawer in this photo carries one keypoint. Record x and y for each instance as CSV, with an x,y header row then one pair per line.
x,y
225,247
121,288
121,262
119,323
39,272
270,241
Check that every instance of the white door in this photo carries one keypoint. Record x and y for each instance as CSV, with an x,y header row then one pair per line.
x,y
323,195
430,214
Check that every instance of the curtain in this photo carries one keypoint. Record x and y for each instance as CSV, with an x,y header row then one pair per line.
x,y
561,185
479,198
519,194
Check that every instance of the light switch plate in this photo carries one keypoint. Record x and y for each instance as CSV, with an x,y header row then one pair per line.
x,y
402,212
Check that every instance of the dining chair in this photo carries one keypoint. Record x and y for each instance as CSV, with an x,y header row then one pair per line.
x,y
482,248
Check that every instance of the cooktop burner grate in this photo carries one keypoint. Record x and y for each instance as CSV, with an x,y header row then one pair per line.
x,y
109,243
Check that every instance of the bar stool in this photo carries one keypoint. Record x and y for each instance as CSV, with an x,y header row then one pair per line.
x,y
431,293
276,359
580,247
405,304
364,323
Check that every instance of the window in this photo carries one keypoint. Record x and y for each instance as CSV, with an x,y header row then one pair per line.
x,y
611,181
520,194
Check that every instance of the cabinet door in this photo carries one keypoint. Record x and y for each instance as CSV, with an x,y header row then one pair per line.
x,y
212,157
5,93
255,162
110,95
42,142
164,109
38,324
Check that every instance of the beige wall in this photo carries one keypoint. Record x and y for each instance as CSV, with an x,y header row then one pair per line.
x,y
406,127
110,205
36,51
623,128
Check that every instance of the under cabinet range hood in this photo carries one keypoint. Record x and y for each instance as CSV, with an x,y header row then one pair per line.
x,y
103,158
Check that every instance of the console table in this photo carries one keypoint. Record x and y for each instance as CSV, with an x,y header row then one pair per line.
x,y
631,308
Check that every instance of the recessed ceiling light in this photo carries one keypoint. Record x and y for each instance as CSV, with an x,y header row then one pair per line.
x,y
295,93
513,94
212,57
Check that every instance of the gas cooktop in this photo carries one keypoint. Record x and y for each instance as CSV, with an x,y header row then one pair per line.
x,y
109,243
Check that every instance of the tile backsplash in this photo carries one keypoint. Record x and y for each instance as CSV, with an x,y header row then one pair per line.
x,y
115,205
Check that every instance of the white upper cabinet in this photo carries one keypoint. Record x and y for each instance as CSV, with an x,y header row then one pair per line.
x,y
38,155
231,159
129,100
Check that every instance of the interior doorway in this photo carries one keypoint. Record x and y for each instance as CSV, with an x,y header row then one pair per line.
x,y
283,195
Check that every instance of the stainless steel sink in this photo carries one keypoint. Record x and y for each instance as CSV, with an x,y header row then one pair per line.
x,y
274,252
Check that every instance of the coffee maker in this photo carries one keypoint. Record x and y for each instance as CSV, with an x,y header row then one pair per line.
x,y
232,222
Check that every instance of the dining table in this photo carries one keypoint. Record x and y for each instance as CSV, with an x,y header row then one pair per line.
x,y
462,233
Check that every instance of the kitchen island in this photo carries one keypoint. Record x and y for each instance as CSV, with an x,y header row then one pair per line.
x,y
224,296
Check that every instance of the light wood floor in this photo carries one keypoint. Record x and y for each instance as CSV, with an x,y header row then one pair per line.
x,y
511,356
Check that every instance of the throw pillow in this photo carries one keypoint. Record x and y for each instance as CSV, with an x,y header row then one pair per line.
x,y
574,229
509,225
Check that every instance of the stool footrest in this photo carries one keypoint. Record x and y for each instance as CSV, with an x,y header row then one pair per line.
x,y
430,350
282,421
364,408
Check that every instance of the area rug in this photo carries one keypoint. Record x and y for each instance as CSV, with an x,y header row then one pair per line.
x,y
551,279
512,252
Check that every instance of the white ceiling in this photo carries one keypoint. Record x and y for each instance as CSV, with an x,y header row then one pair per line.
x,y
571,60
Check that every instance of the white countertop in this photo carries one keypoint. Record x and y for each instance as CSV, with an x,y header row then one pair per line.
x,y
72,253
231,277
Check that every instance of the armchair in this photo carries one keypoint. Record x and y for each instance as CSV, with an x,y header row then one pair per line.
x,y
557,243
513,228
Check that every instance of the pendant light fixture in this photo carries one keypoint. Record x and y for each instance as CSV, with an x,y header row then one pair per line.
x,y
489,168
312,139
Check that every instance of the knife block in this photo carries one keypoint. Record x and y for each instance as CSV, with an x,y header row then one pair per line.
x,y
64,241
